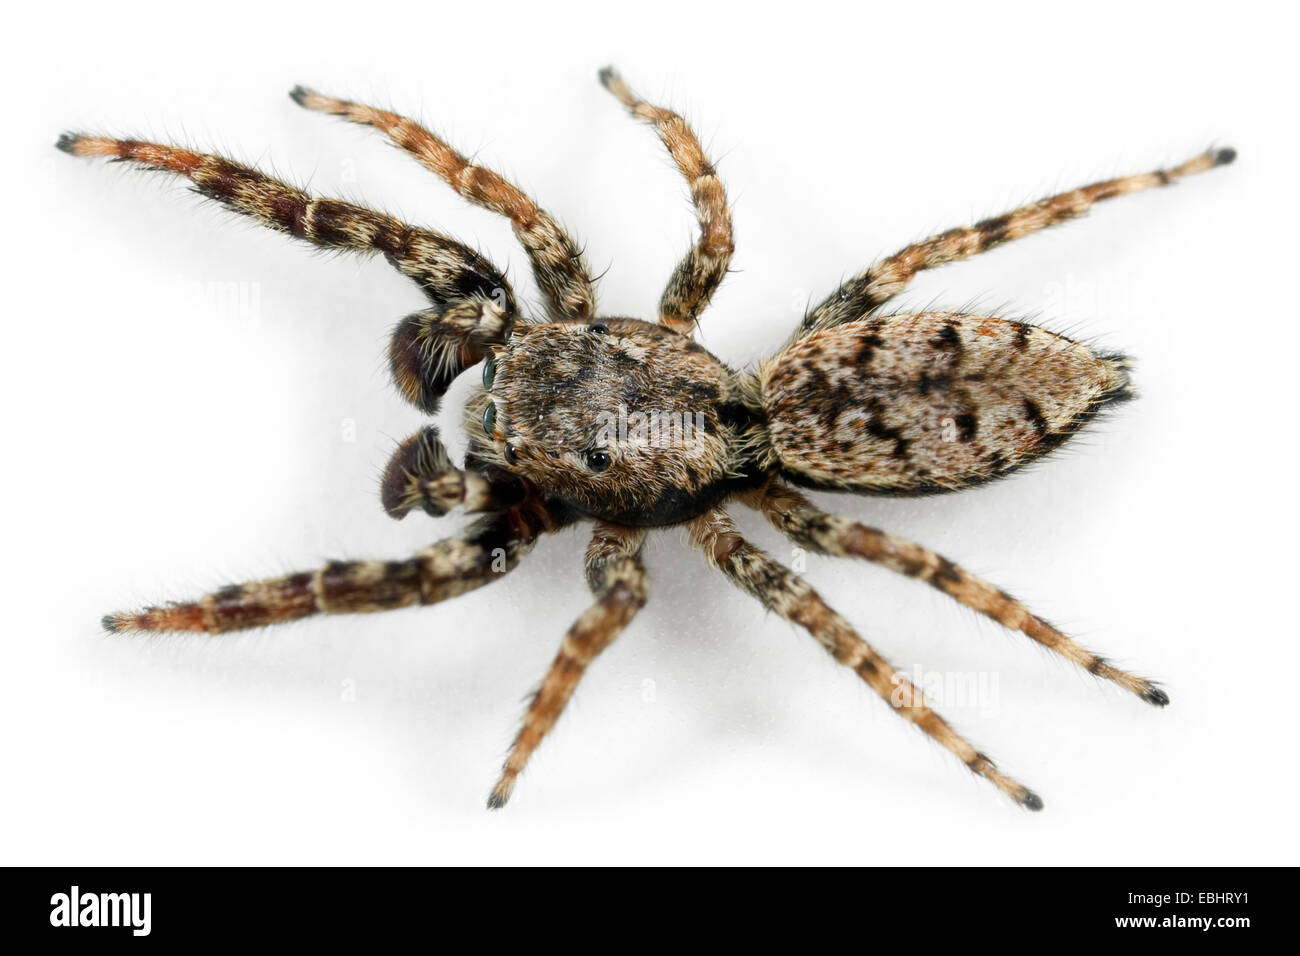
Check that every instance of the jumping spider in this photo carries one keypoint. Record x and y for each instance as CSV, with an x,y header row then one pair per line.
x,y
856,400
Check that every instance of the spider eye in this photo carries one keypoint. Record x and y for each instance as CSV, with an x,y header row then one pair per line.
x,y
489,418
510,455
599,328
489,372
598,460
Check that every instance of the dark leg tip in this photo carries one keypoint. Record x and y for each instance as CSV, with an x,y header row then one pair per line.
x,y
1156,696
1224,156
1031,801
67,141
606,75
109,623
501,792
299,95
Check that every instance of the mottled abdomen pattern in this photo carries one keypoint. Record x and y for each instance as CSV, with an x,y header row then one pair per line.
x,y
932,402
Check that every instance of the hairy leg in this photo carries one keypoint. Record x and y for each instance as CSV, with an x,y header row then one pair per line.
x,y
556,259
445,269
618,580
490,547
698,275
781,590
870,290
809,526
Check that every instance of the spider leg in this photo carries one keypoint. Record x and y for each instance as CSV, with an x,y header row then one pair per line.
x,y
781,590
812,528
490,547
871,289
698,275
445,269
556,259
618,580
420,475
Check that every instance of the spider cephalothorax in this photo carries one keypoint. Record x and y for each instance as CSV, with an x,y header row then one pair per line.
x,y
624,420
636,426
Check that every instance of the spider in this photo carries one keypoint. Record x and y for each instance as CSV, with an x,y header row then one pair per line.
x,y
856,400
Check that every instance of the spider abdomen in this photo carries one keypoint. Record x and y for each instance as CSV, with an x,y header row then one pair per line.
x,y
929,402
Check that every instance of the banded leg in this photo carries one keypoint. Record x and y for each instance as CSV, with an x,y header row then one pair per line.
x,y
871,289
698,275
618,580
445,269
420,475
557,261
491,546
814,529
779,589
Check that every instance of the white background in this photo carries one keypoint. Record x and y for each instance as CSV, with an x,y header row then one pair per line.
x,y
165,439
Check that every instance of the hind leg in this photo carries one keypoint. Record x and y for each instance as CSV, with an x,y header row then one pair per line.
x,y
781,590
812,528
869,290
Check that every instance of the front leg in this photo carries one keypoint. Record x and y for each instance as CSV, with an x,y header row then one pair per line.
x,y
490,547
446,270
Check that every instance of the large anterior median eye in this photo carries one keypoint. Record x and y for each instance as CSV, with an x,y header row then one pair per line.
x,y
489,418
598,460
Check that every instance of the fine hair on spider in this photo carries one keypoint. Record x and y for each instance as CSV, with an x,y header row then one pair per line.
x,y
858,399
